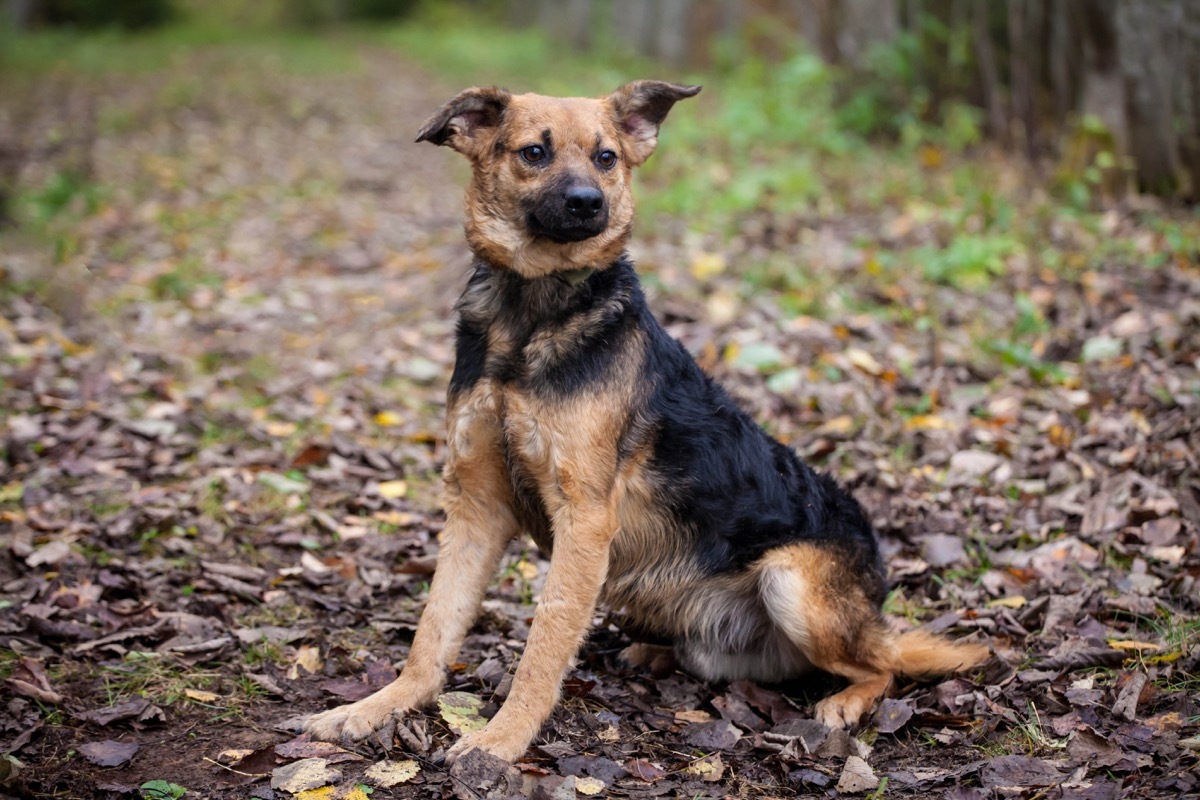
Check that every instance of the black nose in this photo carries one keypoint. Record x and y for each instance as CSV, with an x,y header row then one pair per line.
x,y
584,202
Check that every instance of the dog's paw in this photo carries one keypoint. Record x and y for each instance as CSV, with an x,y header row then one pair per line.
x,y
506,747
657,659
355,722
840,711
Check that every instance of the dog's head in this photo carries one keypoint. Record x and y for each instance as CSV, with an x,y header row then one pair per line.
x,y
551,190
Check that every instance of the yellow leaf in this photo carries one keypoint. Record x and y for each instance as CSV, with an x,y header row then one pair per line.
x,y
460,710
309,657
1012,601
391,773
709,768
388,419
320,793
355,794
528,571
930,156
864,361
929,422
589,786
201,697
393,489
707,265
838,426
1129,644
401,519
280,428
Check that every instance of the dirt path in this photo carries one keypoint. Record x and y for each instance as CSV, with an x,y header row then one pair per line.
x,y
219,482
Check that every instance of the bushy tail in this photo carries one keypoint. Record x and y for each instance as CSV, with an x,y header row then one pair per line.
x,y
921,654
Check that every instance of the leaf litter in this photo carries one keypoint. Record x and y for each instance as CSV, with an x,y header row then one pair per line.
x,y
219,482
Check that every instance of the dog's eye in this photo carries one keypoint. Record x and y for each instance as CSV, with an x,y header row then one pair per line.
x,y
534,154
607,159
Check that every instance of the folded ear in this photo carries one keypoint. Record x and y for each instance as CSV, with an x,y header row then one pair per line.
x,y
461,122
640,107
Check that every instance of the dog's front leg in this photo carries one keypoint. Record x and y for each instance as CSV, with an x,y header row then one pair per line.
x,y
479,525
582,534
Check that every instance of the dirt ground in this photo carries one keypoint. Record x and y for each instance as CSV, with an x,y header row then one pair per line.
x,y
220,430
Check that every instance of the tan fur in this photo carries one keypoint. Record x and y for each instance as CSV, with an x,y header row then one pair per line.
x,y
825,614
499,186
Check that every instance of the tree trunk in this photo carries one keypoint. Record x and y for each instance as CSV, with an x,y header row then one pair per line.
x,y
1148,42
989,76
865,23
634,25
672,41
1189,100
818,26
1103,84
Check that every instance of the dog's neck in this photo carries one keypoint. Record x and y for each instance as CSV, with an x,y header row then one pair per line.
x,y
494,291
574,277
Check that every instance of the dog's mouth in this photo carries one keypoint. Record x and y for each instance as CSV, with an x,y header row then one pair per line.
x,y
565,231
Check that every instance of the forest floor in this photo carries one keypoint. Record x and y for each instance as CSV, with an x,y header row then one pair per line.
x,y
224,347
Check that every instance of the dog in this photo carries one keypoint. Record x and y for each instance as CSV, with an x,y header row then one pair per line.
x,y
574,417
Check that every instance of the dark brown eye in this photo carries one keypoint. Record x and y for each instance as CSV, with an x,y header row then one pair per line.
x,y
534,154
607,159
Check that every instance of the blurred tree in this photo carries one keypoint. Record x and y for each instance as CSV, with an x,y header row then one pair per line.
x,y
128,14
1125,72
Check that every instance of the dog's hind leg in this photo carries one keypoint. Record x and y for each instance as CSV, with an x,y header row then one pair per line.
x,y
479,525
817,600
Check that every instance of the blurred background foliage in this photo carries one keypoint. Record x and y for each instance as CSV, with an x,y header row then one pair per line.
x,y
1108,91
974,133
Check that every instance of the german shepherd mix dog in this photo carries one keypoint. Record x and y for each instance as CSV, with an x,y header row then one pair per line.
x,y
573,416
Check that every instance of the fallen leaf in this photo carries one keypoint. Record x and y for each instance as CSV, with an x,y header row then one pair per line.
x,y
393,490
1019,771
708,769
386,774
460,711
108,753
307,773
388,419
857,777
589,786
762,356
707,265
281,483
644,770
893,715
308,658
717,735
1131,645
929,422
1127,701
864,361
201,696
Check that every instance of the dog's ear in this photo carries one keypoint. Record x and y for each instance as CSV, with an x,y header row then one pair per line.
x,y
640,108
461,121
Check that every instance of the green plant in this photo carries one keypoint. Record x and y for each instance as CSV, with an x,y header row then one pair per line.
x,y
162,790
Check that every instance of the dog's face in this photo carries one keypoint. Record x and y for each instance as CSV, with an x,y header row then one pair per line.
x,y
551,186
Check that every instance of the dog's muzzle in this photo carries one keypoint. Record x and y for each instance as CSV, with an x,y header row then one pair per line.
x,y
571,214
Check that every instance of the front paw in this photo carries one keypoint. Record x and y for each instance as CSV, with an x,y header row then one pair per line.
x,y
369,718
505,746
